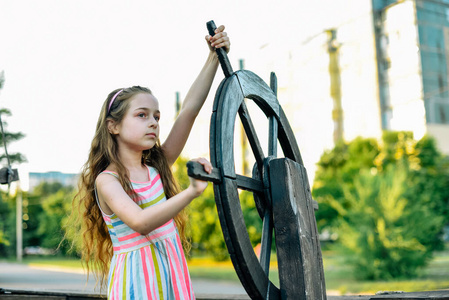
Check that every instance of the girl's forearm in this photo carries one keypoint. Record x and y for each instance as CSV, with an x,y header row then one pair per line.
x,y
155,216
200,88
191,106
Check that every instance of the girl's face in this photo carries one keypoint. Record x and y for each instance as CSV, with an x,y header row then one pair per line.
x,y
139,128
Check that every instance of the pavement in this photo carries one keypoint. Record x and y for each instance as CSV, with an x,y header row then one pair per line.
x,y
29,277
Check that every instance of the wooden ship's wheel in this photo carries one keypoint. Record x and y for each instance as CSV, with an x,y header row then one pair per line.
x,y
279,185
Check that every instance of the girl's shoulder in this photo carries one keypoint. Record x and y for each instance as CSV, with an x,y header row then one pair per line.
x,y
108,172
105,177
110,175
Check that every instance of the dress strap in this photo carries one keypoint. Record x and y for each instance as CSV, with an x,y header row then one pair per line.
x,y
110,173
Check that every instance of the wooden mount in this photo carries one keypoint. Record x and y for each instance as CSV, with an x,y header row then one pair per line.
x,y
301,275
299,259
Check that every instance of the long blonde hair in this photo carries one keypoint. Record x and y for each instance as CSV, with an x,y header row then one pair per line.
x,y
96,250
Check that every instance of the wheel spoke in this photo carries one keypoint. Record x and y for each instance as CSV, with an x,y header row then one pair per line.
x,y
251,134
273,129
265,249
249,184
273,137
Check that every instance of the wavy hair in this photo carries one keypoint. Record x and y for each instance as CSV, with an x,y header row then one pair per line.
x,y
96,250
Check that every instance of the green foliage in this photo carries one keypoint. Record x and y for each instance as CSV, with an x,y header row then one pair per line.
x,y
57,207
5,211
9,138
5,214
39,215
251,216
383,233
388,203
205,226
337,169
180,172
32,212
44,213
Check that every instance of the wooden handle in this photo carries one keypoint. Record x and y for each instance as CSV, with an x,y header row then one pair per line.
x,y
222,55
196,170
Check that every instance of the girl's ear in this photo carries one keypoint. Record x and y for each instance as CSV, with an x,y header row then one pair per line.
x,y
112,127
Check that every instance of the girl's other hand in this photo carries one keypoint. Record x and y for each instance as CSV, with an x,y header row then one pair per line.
x,y
199,186
219,40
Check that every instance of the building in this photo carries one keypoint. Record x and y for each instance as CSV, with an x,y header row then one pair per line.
x,y
413,58
380,65
370,65
65,179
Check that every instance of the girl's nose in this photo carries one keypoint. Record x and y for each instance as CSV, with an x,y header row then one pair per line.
x,y
153,122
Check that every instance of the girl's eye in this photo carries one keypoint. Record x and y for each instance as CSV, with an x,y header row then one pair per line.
x,y
157,118
142,115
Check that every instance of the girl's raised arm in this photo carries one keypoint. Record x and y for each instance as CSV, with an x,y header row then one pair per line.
x,y
195,98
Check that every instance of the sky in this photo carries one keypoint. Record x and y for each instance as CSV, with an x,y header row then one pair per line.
x,y
61,59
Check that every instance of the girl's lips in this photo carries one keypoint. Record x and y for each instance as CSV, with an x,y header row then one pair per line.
x,y
151,134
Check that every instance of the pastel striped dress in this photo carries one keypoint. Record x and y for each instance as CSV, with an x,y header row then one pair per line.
x,y
152,266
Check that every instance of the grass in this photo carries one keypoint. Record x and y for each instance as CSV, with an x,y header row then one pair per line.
x,y
206,267
339,278
48,261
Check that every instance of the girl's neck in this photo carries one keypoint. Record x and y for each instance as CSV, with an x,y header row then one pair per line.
x,y
133,163
131,159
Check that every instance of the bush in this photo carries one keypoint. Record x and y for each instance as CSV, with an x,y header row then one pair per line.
x,y
388,203
383,234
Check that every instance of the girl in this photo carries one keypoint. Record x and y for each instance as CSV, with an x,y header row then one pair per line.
x,y
130,204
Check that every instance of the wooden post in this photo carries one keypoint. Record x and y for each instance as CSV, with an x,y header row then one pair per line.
x,y
301,274
19,228
334,72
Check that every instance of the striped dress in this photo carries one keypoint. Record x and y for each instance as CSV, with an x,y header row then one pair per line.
x,y
152,266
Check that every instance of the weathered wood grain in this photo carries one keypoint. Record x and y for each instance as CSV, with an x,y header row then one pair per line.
x,y
297,245
272,122
251,134
254,88
196,170
222,131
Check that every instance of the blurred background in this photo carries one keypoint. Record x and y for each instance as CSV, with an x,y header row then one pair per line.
x,y
364,84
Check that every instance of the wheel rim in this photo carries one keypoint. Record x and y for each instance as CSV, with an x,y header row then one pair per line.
x,y
229,102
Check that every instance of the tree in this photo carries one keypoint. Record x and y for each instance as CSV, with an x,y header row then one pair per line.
x,y
385,234
9,136
44,213
18,158
4,223
7,224
57,207
387,202
337,169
